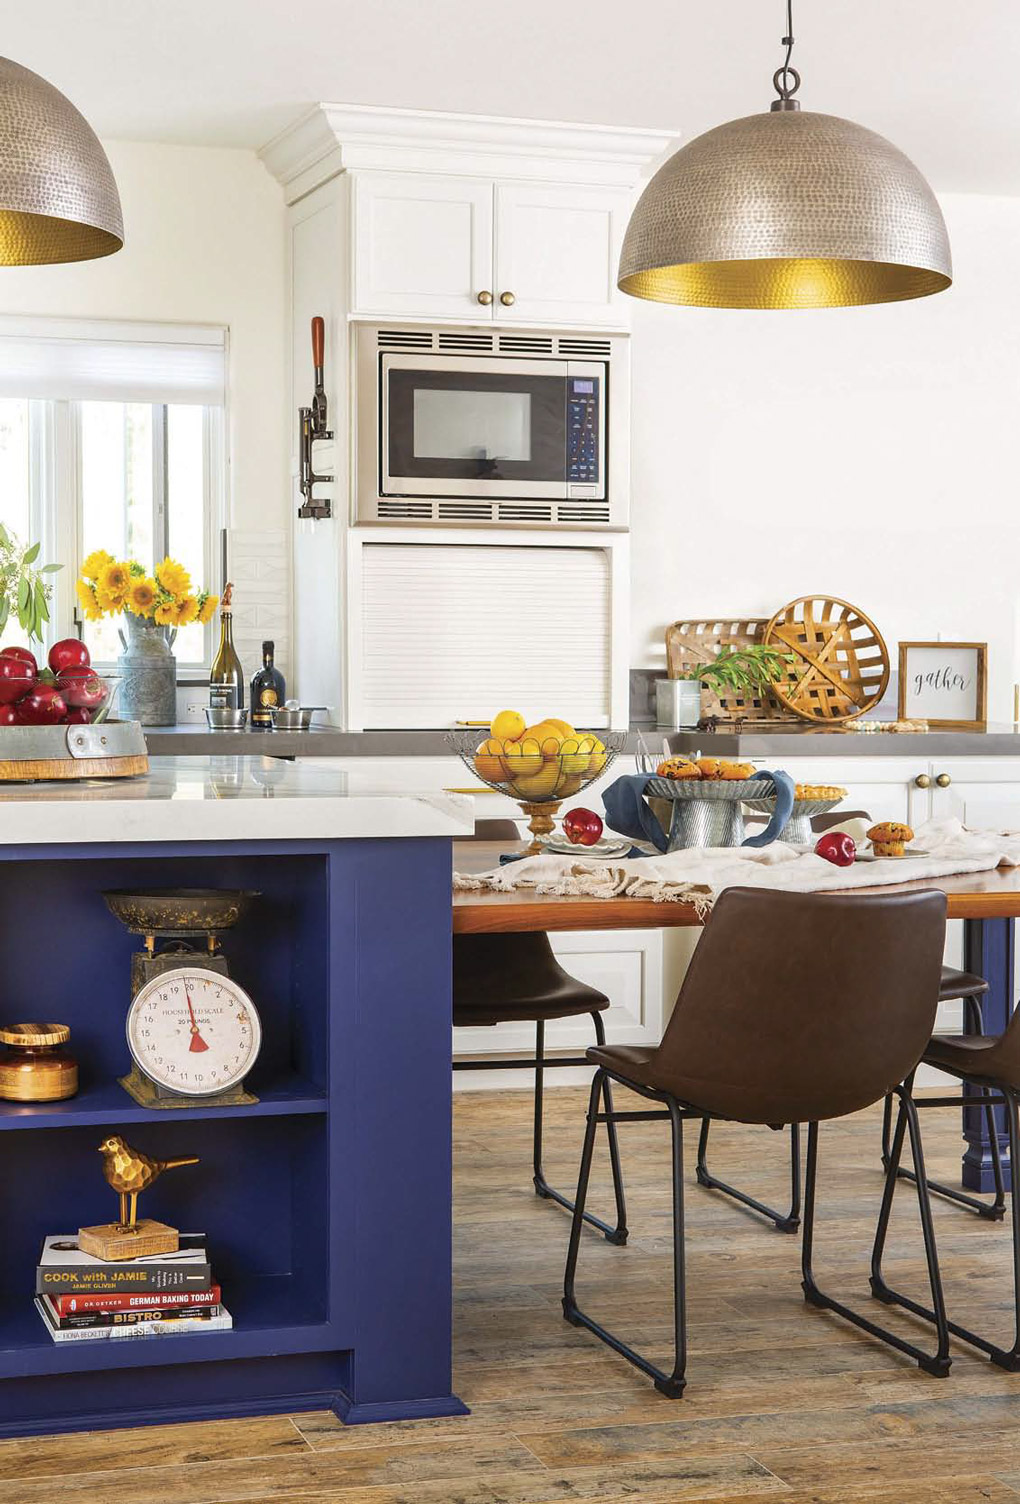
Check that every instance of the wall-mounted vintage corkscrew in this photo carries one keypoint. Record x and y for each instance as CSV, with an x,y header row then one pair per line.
x,y
312,426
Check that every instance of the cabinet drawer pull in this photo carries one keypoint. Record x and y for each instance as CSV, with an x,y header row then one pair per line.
x,y
922,781
507,299
943,780
485,298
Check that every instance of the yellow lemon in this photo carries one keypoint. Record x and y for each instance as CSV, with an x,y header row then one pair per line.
x,y
538,785
570,784
573,759
508,725
563,727
489,763
538,730
597,758
522,758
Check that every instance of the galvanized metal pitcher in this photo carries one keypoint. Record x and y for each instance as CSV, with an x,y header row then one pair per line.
x,y
149,689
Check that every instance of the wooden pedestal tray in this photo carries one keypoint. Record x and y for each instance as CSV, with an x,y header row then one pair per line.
x,y
111,749
841,665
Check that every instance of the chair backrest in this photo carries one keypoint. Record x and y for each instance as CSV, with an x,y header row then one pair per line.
x,y
822,823
494,830
802,1006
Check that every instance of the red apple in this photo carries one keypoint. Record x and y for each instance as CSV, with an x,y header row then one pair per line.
x,y
80,715
24,655
8,715
16,678
582,827
81,686
68,653
837,847
44,706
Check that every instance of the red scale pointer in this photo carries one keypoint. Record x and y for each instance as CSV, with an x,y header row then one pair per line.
x,y
197,1044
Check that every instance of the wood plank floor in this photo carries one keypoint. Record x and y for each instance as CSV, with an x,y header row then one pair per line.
x,y
783,1403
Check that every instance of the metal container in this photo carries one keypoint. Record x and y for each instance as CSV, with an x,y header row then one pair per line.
x,y
149,669
221,719
287,718
707,814
677,704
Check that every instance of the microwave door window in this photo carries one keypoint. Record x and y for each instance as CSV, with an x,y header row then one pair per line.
x,y
489,429
493,430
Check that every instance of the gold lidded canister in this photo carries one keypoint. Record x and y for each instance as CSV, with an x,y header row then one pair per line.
x,y
35,1067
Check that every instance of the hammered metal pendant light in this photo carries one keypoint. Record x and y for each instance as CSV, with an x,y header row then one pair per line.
x,y
58,197
788,209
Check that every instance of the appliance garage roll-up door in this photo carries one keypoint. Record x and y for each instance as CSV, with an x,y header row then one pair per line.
x,y
458,631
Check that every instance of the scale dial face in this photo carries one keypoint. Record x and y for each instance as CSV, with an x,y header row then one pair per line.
x,y
193,1032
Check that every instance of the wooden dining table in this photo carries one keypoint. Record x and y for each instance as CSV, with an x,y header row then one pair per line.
x,y
988,903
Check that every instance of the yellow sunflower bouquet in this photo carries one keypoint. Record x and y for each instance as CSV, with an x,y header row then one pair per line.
x,y
108,586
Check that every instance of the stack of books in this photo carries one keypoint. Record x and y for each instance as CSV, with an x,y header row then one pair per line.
x,y
81,1298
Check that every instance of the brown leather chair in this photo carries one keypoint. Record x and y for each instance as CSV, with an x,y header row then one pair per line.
x,y
516,978
952,985
991,1064
767,1030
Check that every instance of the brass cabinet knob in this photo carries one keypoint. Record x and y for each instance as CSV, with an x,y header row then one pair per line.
x,y
485,298
922,781
943,780
507,299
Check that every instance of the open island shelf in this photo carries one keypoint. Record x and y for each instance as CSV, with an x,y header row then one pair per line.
x,y
325,1205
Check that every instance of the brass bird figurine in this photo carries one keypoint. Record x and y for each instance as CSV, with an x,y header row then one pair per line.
x,y
129,1172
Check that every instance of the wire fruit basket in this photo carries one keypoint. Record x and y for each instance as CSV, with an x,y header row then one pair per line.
x,y
539,781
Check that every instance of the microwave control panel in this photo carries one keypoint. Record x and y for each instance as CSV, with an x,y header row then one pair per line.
x,y
582,429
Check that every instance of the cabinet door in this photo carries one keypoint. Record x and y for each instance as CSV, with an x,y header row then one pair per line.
x,y
557,251
422,245
981,791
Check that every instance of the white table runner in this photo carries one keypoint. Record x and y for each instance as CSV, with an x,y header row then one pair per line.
x,y
699,874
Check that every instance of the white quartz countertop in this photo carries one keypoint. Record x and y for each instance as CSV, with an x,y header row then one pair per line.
x,y
185,799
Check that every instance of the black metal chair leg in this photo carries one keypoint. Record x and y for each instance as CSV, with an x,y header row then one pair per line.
x,y
1008,1358
936,1363
992,1211
784,1221
617,1234
670,1384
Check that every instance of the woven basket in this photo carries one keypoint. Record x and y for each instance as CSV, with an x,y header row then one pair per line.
x,y
692,643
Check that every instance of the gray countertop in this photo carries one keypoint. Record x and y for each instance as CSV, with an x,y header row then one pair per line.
x,y
325,741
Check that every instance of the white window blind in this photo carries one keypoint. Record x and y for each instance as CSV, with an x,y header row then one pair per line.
x,y
457,632
89,360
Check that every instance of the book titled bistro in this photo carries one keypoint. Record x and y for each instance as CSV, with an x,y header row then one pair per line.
x,y
65,1269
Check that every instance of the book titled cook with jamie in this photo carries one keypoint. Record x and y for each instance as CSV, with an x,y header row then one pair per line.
x,y
64,1268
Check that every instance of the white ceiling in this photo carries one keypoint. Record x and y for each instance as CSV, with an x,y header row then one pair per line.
x,y
936,76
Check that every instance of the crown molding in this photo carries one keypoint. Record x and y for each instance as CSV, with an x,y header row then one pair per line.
x,y
333,138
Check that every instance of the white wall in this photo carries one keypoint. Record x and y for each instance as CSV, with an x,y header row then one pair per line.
x,y
873,453
203,244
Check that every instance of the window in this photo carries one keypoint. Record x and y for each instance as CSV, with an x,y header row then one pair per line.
x,y
113,437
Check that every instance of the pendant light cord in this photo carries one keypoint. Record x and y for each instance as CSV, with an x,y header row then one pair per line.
x,y
783,76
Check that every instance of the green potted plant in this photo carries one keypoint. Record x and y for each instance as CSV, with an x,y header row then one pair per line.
x,y
744,671
24,590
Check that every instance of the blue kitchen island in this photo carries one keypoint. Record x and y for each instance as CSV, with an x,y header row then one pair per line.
x,y
326,1203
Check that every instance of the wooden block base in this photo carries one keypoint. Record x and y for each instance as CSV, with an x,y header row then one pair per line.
x,y
111,1241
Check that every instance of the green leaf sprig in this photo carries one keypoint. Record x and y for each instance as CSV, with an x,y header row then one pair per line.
x,y
743,670
24,590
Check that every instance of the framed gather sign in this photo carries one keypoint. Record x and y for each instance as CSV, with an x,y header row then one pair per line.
x,y
944,683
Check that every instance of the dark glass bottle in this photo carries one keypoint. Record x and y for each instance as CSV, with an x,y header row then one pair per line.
x,y
226,677
268,691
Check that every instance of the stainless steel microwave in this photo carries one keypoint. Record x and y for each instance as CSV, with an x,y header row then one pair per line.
x,y
491,427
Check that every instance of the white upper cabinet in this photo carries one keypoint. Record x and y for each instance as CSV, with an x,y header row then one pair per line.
x,y
422,244
557,250
431,246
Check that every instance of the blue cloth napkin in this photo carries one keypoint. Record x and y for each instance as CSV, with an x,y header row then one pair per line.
x,y
629,814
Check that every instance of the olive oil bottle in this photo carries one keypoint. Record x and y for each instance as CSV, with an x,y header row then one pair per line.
x,y
226,677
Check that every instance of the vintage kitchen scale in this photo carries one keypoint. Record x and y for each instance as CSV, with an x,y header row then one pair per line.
x,y
192,1031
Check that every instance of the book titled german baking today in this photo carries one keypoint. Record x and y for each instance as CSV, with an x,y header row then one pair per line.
x,y
64,1269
